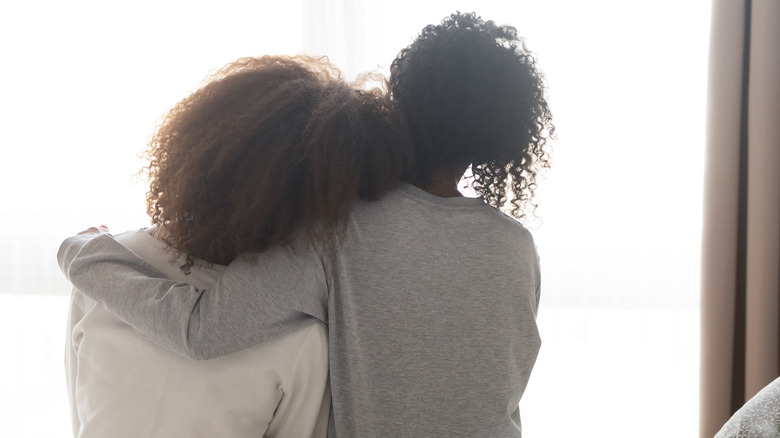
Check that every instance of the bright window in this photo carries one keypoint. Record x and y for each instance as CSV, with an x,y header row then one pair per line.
x,y
84,82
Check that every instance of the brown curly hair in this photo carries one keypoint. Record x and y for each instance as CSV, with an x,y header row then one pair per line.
x,y
473,96
270,150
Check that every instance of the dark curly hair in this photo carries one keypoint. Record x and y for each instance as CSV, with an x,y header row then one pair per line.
x,y
473,96
271,150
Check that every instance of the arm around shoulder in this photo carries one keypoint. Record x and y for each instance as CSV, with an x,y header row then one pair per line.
x,y
135,291
257,298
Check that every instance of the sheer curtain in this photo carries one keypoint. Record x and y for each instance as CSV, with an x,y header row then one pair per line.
x,y
618,225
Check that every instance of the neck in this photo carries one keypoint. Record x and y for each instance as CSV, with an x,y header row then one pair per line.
x,y
443,185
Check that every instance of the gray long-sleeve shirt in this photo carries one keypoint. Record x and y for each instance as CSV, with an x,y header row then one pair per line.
x,y
431,308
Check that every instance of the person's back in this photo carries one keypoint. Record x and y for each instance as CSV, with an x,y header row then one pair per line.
x,y
121,385
432,311
431,319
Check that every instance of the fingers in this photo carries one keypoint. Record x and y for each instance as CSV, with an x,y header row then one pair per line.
x,y
94,230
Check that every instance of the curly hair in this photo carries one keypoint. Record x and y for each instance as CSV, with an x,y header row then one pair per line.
x,y
473,96
271,150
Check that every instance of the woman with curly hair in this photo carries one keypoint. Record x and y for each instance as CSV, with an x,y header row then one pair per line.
x,y
474,99
431,298
271,151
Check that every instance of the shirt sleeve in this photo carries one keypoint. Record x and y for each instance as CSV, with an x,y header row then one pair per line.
x,y
258,297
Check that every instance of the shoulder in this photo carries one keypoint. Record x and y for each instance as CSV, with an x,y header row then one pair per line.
x,y
158,254
505,232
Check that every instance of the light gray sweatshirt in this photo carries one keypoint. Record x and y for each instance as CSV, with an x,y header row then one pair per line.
x,y
431,309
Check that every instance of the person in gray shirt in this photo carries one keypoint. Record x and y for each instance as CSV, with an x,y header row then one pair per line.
x,y
431,297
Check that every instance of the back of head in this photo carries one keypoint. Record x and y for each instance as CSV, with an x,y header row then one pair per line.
x,y
270,150
473,96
